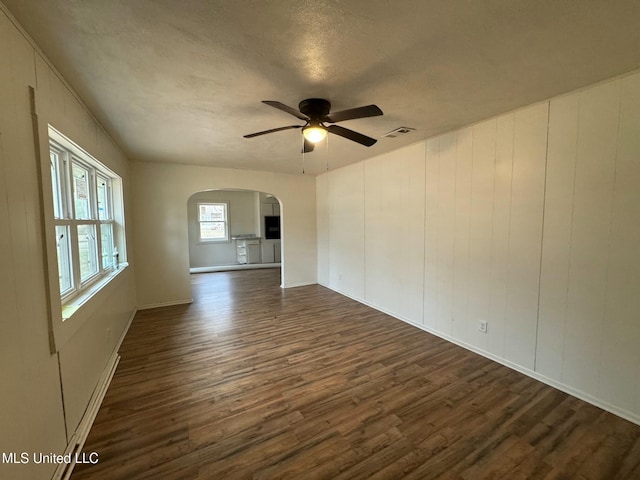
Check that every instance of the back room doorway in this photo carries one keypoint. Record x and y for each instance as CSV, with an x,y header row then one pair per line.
x,y
233,229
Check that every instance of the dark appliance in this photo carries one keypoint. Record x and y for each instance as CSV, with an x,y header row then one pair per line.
x,y
272,227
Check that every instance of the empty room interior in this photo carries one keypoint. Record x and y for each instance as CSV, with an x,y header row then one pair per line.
x,y
320,239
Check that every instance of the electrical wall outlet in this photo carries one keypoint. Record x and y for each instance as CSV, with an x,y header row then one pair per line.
x,y
482,326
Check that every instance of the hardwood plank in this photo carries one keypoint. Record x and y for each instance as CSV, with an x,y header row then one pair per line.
x,y
252,381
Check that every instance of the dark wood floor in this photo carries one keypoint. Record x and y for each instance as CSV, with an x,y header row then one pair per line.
x,y
252,381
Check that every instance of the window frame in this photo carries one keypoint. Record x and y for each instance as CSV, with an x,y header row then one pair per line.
x,y
227,237
68,313
66,158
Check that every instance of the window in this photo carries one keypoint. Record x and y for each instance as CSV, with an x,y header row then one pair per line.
x,y
213,224
84,220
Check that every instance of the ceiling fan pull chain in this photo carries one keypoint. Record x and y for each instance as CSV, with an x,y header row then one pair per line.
x,y
327,153
301,136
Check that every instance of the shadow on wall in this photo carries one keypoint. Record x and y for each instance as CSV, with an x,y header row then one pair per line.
x,y
233,229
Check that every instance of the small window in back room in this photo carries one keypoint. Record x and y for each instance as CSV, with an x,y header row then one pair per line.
x,y
213,222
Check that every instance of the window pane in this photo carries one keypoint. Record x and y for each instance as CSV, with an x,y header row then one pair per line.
x,y
213,212
213,231
55,184
104,211
64,258
81,191
88,251
106,236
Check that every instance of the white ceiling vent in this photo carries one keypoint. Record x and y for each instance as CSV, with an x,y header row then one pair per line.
x,y
398,132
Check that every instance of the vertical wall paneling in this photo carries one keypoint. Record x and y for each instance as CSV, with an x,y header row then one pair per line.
x,y
556,242
445,232
383,230
432,168
501,215
462,217
14,434
593,195
620,350
8,330
531,222
525,233
412,255
394,231
322,221
33,413
13,98
481,227
30,373
346,226
26,229
57,104
12,405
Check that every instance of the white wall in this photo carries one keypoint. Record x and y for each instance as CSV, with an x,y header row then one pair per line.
x,y
390,227
42,395
161,192
243,218
529,220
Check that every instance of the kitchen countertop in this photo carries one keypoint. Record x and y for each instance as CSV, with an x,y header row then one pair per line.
x,y
246,237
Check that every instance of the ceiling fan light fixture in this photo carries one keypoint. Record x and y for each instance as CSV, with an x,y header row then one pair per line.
x,y
315,112
314,133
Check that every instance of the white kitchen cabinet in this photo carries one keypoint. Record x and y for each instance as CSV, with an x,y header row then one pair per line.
x,y
270,209
248,251
276,251
271,251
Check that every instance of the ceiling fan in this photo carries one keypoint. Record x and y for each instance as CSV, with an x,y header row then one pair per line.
x,y
316,112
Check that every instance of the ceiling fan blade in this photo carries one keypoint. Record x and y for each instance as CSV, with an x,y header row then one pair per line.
x,y
251,135
351,135
353,113
308,146
286,108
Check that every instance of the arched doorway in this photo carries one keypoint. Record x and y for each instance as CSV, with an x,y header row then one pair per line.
x,y
233,229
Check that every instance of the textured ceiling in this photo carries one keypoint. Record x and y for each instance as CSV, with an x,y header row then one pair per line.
x,y
182,81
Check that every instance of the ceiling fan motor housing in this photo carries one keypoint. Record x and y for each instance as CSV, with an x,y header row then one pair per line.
x,y
315,108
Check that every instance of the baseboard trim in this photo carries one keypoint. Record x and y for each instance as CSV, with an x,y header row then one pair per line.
x,y
63,472
298,284
79,437
615,410
126,330
165,304
633,418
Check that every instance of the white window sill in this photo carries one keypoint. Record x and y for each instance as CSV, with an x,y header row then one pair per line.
x,y
71,306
